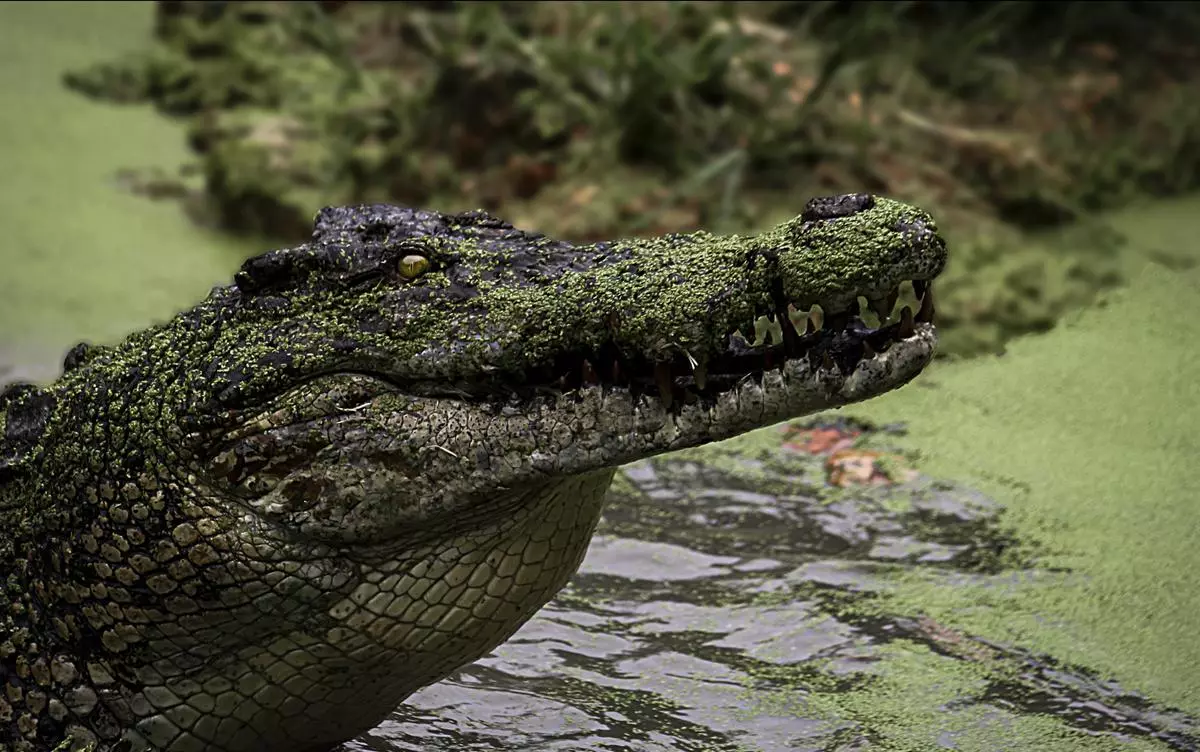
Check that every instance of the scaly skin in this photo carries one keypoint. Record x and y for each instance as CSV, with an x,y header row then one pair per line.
x,y
262,524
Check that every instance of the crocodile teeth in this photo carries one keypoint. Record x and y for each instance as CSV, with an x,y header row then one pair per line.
x,y
919,287
892,297
699,370
775,330
768,328
926,312
662,376
797,318
816,319
760,330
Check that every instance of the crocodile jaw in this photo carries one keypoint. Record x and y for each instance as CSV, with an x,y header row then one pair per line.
x,y
641,426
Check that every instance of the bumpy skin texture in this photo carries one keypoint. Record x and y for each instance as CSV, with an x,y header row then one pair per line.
x,y
264,523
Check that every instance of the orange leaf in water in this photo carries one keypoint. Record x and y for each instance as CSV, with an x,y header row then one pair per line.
x,y
857,467
819,440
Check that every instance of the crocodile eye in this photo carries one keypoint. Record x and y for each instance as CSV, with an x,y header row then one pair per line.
x,y
413,266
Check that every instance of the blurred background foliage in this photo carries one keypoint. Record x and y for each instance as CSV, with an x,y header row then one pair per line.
x,y
1011,121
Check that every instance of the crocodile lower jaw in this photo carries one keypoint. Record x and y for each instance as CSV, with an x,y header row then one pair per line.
x,y
790,387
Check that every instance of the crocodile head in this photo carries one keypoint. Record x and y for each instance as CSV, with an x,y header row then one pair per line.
x,y
374,456
454,356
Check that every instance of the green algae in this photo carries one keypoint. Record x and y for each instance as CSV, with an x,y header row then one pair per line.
x,y
82,259
1088,436
920,701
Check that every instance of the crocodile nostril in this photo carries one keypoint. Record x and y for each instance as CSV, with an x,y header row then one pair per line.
x,y
917,228
832,207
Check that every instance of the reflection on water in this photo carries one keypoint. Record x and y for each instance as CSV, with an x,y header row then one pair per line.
x,y
727,604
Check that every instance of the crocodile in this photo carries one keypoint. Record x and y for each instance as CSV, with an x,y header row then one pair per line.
x,y
263,523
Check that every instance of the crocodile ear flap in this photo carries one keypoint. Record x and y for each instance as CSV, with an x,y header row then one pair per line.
x,y
373,224
80,355
274,270
27,410
15,392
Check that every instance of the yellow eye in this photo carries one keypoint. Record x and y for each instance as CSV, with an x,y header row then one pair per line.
x,y
413,266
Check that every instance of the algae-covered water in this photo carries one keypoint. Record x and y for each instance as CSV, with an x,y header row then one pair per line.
x,y
1033,586
83,259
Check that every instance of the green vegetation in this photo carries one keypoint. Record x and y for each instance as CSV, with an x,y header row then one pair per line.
x,y
1093,427
591,120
